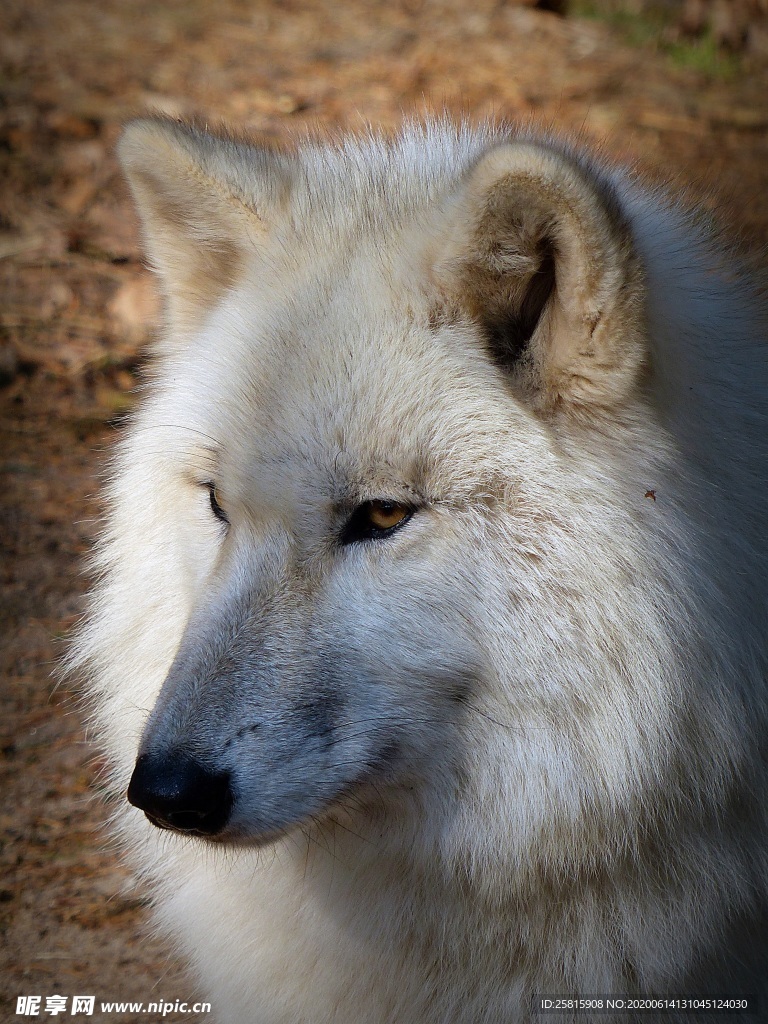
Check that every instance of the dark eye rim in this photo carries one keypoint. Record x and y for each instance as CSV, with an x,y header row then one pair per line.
x,y
358,527
216,508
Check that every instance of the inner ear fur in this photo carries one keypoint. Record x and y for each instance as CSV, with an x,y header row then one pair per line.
x,y
538,254
204,202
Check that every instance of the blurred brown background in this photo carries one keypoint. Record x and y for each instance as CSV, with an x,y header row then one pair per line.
x,y
679,86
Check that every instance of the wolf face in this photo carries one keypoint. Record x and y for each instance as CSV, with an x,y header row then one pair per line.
x,y
416,542
336,635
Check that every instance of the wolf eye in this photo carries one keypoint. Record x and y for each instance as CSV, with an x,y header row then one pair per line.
x,y
216,508
385,515
374,519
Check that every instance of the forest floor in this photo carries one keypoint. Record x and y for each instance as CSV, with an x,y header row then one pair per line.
x,y
78,305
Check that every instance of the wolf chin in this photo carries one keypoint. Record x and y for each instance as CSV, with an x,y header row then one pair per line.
x,y
429,639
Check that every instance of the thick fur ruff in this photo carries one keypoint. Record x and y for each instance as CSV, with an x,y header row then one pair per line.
x,y
440,534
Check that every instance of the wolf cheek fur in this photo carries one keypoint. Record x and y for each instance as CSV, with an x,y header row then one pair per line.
x,y
384,611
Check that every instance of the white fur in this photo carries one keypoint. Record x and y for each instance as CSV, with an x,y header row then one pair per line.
x,y
589,817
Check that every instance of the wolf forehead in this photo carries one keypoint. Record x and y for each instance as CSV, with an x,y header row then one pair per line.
x,y
388,300
359,417
331,333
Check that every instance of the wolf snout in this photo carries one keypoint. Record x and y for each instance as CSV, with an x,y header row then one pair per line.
x,y
177,792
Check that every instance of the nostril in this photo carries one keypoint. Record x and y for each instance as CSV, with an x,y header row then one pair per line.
x,y
177,792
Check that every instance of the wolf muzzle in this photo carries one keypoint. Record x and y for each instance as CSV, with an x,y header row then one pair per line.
x,y
176,792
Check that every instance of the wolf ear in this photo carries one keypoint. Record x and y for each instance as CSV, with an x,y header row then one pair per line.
x,y
540,256
204,203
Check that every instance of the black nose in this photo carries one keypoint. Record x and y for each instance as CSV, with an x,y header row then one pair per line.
x,y
177,792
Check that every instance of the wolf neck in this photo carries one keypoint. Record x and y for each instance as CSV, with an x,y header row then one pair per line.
x,y
375,937
531,933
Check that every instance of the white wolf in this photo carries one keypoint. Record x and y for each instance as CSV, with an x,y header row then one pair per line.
x,y
433,593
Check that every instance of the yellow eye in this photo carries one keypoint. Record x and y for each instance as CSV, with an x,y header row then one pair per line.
x,y
374,520
385,515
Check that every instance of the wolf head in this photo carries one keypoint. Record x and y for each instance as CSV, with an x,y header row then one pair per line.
x,y
381,542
